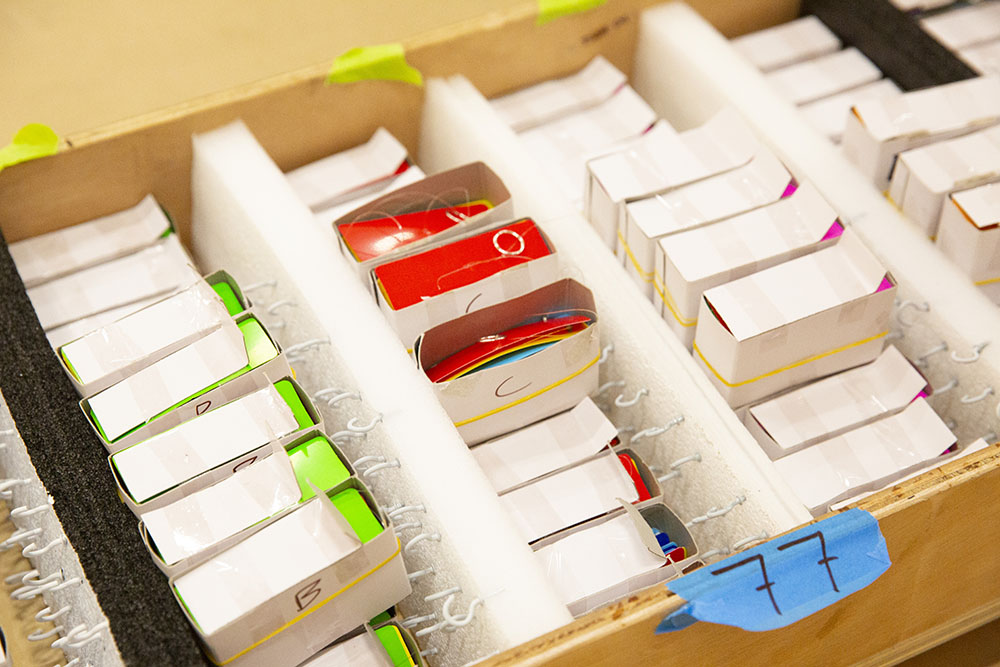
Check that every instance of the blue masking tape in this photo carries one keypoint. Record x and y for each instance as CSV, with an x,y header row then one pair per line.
x,y
786,579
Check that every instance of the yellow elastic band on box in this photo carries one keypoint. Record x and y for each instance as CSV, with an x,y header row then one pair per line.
x,y
788,367
31,141
645,275
668,300
987,282
550,10
529,396
386,62
399,546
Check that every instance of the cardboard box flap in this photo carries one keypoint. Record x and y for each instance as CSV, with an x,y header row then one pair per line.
x,y
549,100
200,444
828,114
136,399
48,256
956,163
545,446
760,182
787,43
980,206
800,219
158,269
841,401
797,289
186,527
561,297
190,312
826,75
931,111
965,26
321,183
66,333
662,159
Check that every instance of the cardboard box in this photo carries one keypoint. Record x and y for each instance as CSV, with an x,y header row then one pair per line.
x,y
970,235
149,273
961,28
295,585
556,98
516,274
842,402
547,446
829,115
211,447
688,263
565,498
924,177
49,256
762,181
659,160
878,130
498,400
386,646
866,458
468,183
233,360
192,529
825,76
615,555
794,322
786,44
984,58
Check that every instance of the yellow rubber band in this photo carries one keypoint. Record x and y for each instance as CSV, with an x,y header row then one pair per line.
x,y
645,275
529,396
987,282
790,366
668,300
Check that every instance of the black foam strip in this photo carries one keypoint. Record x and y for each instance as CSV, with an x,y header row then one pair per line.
x,y
147,623
891,39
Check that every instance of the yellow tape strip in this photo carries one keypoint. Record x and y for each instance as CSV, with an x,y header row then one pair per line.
x,y
550,10
668,300
645,275
31,141
790,366
987,282
399,546
385,62
529,396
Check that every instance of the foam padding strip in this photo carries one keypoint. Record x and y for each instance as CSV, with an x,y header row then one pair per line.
x,y
892,40
145,620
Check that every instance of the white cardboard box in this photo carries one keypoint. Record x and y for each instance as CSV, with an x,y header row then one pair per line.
x,y
551,100
866,458
829,115
364,650
984,58
64,251
659,160
762,181
924,177
966,26
801,320
154,271
546,446
879,129
786,44
970,235
497,400
825,76
824,409
293,586
688,263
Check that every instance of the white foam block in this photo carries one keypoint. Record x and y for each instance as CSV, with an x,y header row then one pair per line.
x,y
824,76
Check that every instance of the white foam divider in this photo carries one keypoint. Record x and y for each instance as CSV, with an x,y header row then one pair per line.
x,y
687,71
459,125
248,219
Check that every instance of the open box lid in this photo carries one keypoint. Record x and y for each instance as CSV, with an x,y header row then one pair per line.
x,y
980,206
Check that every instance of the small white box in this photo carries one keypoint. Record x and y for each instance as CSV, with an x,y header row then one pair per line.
x,y
494,401
296,584
794,322
366,649
688,263
829,115
550,100
970,235
64,251
866,458
920,5
879,129
825,76
662,159
961,28
762,181
786,44
984,58
924,177
824,409
152,272
546,446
